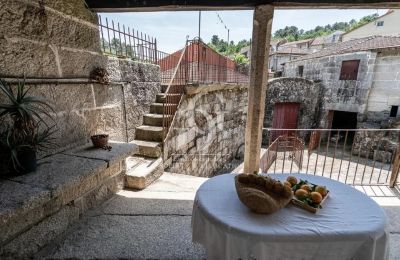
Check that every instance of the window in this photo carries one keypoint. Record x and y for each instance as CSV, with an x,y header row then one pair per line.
x,y
300,71
380,23
349,70
393,111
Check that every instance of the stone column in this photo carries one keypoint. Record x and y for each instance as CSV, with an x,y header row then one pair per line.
x,y
262,26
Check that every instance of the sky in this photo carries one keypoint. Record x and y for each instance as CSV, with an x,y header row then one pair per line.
x,y
171,28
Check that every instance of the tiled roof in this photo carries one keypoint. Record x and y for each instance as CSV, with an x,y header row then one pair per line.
x,y
363,44
291,51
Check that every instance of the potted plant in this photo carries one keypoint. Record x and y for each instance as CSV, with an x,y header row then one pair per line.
x,y
25,130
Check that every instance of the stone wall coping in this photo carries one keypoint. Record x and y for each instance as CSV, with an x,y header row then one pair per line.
x,y
118,152
207,88
59,179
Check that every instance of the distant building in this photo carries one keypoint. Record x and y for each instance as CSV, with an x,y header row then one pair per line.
x,y
360,79
385,25
303,45
278,58
324,41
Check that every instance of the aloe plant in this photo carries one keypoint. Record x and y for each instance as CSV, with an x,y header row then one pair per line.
x,y
24,116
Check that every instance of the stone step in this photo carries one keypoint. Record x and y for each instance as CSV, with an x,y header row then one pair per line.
x,y
155,119
173,98
148,149
158,108
142,171
149,133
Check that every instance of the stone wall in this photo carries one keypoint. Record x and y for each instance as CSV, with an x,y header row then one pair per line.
x,y
342,95
59,40
207,131
385,90
295,90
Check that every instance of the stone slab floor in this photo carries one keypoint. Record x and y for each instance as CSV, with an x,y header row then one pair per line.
x,y
155,224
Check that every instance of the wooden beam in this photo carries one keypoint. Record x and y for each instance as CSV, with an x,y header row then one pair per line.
x,y
192,5
396,166
262,26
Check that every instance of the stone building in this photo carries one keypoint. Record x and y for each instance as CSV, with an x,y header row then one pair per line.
x,y
361,78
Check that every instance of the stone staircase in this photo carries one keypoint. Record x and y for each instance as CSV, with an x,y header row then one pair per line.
x,y
147,166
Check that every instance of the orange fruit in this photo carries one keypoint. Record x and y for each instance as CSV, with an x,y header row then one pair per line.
x,y
301,194
292,180
321,190
306,187
316,197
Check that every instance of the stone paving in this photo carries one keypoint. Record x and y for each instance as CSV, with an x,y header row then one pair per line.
x,y
155,224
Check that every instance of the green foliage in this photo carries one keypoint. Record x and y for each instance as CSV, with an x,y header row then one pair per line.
x,y
230,50
292,33
240,59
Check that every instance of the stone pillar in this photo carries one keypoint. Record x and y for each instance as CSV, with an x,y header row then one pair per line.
x,y
262,26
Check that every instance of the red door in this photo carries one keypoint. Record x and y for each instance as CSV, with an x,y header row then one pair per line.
x,y
285,117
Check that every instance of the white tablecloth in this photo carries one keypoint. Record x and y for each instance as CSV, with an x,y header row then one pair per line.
x,y
349,226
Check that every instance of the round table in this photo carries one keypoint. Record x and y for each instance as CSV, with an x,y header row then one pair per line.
x,y
349,226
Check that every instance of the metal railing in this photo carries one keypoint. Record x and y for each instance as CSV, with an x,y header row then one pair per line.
x,y
352,156
124,42
175,88
203,65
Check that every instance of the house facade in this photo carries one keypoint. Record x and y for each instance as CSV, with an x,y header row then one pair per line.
x,y
385,25
360,82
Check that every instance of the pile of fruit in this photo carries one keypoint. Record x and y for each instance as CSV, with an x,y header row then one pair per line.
x,y
308,193
274,186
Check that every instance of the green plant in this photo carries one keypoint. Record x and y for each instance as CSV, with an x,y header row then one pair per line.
x,y
24,124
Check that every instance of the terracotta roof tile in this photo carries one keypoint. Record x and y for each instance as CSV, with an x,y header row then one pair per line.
x,y
362,44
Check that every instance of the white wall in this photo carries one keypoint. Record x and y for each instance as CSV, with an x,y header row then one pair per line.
x,y
385,91
391,27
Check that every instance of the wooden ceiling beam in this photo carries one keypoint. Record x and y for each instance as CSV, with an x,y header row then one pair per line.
x,y
192,5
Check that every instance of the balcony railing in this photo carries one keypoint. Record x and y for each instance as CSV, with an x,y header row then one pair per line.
x,y
352,156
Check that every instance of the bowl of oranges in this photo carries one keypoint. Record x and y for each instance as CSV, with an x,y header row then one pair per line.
x,y
308,196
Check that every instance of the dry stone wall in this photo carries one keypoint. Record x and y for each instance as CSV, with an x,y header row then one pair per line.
x,y
59,40
207,132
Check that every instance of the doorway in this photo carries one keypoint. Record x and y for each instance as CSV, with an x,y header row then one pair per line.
x,y
342,120
285,117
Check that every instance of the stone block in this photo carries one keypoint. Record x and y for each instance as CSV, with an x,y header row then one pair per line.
x,y
26,20
67,177
107,95
117,154
21,206
25,245
79,63
108,120
27,58
65,97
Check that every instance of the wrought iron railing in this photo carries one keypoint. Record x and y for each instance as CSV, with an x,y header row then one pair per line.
x,y
125,42
352,156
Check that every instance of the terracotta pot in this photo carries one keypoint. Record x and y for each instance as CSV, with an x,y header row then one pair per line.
x,y
99,141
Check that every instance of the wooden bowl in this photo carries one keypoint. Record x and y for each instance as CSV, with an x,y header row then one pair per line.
x,y
99,141
258,199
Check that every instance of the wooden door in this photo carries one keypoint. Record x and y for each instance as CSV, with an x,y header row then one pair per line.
x,y
285,117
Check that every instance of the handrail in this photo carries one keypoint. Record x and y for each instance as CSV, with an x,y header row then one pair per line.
x,y
169,103
176,69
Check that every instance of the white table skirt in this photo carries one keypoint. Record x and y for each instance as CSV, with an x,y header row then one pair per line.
x,y
349,226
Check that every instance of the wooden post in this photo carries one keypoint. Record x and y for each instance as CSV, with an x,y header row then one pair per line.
x,y
262,26
395,166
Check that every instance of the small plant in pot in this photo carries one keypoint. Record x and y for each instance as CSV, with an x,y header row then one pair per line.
x,y
24,128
